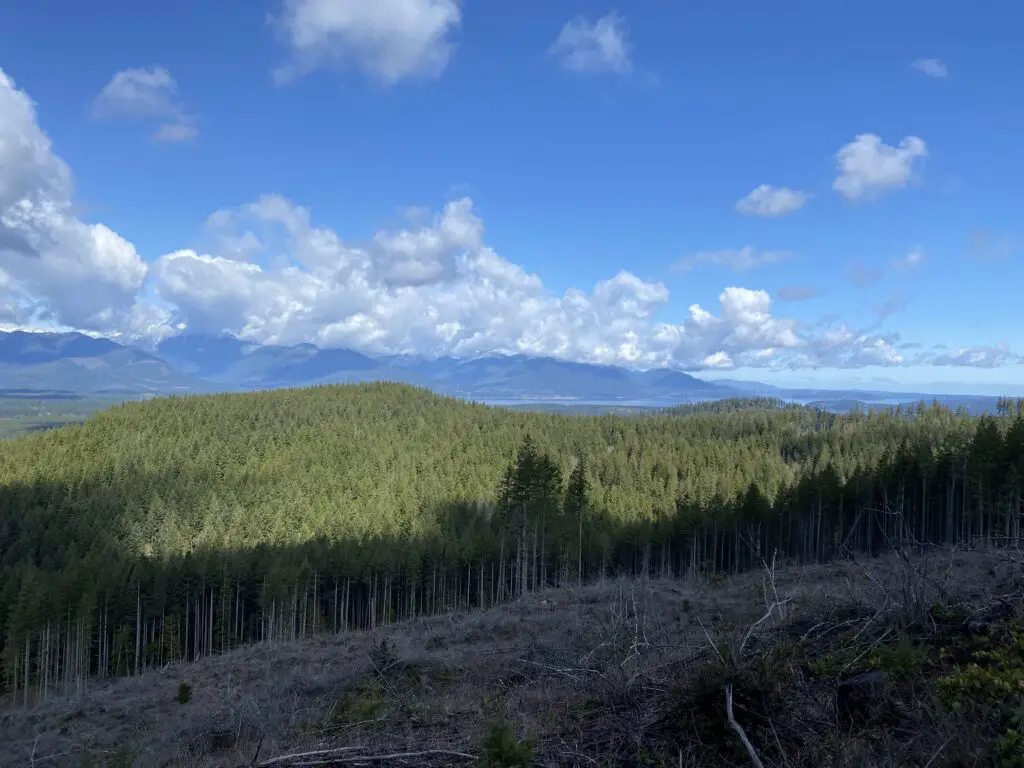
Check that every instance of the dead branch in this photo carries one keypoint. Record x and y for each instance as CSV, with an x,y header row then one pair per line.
x,y
295,756
345,756
759,622
738,729
711,642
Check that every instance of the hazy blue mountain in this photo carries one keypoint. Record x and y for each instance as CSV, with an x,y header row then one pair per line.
x,y
533,378
230,361
300,364
202,354
79,363
540,378
201,362
751,387
665,383
22,348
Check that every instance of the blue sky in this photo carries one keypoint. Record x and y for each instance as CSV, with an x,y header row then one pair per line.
x,y
597,150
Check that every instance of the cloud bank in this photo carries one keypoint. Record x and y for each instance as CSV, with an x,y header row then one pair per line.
x,y
432,287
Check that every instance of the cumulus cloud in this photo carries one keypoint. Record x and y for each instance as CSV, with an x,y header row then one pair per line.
x,y
430,287
53,266
842,347
139,93
389,40
718,360
736,259
931,67
868,167
439,289
770,201
600,46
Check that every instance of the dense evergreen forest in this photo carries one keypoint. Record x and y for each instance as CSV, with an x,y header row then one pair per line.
x,y
185,526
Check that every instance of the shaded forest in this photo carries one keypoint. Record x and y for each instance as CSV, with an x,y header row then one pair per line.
x,y
182,527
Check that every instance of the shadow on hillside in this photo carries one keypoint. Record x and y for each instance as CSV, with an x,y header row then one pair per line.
x,y
96,550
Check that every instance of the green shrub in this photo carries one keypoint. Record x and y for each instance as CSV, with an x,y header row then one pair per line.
x,y
903,661
184,693
503,750
991,678
986,685
364,704
1009,750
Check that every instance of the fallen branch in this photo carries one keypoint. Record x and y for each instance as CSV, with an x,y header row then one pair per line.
x,y
345,756
738,729
285,759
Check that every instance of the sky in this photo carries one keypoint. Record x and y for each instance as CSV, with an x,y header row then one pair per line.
x,y
797,193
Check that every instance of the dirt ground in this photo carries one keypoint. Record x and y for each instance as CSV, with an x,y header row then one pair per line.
x,y
602,675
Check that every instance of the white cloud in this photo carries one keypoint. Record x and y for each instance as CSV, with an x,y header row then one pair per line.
x,y
600,46
976,357
389,40
718,360
868,167
139,93
912,259
438,289
844,348
136,92
183,130
432,287
736,259
54,266
770,201
931,67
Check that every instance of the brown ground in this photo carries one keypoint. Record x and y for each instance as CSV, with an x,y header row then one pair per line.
x,y
617,673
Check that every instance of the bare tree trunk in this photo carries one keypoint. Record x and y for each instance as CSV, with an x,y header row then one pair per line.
x,y
579,552
138,624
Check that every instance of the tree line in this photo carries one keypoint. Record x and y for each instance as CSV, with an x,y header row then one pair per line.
x,y
185,526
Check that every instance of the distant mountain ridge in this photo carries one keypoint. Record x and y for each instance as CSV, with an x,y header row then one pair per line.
x,y
76,362
206,363
229,360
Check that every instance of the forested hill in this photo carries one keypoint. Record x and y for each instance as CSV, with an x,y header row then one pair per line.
x,y
182,526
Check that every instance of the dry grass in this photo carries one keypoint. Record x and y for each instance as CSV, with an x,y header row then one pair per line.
x,y
617,673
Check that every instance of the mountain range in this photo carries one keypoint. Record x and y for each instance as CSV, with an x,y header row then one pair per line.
x,y
74,364
194,363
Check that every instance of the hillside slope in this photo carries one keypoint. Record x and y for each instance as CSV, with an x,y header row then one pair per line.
x,y
617,673
178,527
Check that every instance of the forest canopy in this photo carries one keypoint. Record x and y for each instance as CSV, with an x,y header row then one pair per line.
x,y
185,525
